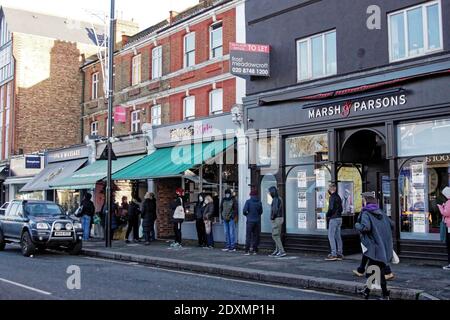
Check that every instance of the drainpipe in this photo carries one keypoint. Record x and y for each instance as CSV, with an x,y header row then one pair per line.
x,y
83,83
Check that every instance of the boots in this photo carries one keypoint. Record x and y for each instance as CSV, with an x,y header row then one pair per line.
x,y
365,292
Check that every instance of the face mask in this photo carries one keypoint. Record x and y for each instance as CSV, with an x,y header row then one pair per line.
x,y
228,196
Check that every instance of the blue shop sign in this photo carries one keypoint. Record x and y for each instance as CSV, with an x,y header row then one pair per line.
x,y
32,162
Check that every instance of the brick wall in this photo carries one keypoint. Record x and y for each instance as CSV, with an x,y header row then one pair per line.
x,y
48,93
165,194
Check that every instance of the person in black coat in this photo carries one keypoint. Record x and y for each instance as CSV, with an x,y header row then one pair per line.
x,y
87,212
199,223
149,217
133,221
177,222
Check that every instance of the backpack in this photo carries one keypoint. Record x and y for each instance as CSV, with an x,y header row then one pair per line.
x,y
228,210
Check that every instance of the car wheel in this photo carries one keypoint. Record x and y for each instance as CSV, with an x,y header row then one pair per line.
x,y
2,241
75,249
27,246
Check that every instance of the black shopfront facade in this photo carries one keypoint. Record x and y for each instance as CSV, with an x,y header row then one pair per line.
x,y
387,132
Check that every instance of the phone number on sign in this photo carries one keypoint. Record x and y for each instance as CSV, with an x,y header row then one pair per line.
x,y
251,71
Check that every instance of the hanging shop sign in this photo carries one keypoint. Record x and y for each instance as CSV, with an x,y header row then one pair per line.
x,y
120,114
357,107
249,59
33,162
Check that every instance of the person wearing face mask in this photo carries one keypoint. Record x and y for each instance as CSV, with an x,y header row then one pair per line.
x,y
199,223
228,210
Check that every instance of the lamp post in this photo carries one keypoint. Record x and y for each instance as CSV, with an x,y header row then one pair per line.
x,y
111,43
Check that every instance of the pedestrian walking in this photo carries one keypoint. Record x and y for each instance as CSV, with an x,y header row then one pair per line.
x,y
178,216
149,217
277,218
208,219
87,213
253,210
133,221
445,224
334,217
228,209
199,222
376,238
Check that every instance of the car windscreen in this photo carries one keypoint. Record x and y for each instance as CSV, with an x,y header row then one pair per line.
x,y
42,209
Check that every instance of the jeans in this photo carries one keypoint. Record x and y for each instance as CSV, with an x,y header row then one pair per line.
x,y
334,236
252,236
277,226
230,234
86,222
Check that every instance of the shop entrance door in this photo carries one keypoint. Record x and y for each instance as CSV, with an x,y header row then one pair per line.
x,y
363,167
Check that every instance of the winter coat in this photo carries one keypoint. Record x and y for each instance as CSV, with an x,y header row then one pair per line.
x,y
253,209
376,233
88,208
208,209
198,210
228,209
178,201
133,211
149,211
445,212
277,204
335,207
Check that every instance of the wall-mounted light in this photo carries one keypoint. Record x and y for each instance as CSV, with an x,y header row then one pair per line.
x,y
214,17
187,93
214,86
188,29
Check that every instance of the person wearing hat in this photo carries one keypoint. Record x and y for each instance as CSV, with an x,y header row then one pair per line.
x,y
376,228
178,216
334,217
253,210
445,212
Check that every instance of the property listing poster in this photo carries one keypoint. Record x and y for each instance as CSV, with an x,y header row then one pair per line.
x,y
302,179
302,220
418,173
321,221
419,223
320,179
302,201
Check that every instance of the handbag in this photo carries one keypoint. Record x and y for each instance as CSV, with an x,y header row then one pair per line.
x,y
179,212
395,258
208,226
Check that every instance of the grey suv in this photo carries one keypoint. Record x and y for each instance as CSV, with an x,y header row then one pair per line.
x,y
39,225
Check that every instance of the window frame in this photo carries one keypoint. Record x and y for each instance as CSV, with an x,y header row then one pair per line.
x,y
211,93
187,53
159,118
95,85
185,100
308,41
135,119
211,48
426,50
94,132
158,61
136,70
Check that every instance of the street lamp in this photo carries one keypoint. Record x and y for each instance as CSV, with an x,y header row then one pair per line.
x,y
111,42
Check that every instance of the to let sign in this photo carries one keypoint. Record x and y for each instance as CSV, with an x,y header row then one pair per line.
x,y
249,59
120,114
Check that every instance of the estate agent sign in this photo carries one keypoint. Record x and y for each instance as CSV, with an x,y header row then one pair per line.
x,y
249,59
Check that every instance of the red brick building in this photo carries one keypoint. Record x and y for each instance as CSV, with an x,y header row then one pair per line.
x,y
173,73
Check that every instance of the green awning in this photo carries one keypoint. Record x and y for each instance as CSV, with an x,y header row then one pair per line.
x,y
173,161
88,176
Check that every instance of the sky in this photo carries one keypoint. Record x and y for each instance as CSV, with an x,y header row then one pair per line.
x,y
145,12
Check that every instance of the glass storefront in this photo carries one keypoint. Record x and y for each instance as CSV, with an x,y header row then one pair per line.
x,y
36,195
424,171
69,200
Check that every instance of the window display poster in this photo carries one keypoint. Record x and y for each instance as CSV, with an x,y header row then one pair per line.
x,y
320,179
302,201
302,220
320,195
419,222
301,179
321,221
418,200
346,192
418,173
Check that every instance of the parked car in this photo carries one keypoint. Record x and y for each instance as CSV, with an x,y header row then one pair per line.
x,y
39,225
3,208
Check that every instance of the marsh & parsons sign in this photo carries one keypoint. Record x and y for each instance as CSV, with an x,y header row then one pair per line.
x,y
357,107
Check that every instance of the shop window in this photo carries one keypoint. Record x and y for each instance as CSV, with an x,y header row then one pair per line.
x,y
136,70
189,50
350,189
216,101
421,181
316,56
415,31
156,115
157,62
216,40
423,138
69,200
307,149
135,121
307,199
189,108
95,82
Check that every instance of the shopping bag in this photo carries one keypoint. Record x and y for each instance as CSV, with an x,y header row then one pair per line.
x,y
395,258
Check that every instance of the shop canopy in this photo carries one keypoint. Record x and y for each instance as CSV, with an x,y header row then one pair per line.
x,y
87,177
173,161
53,173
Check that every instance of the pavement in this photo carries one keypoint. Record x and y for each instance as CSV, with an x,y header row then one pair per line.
x,y
415,280
45,277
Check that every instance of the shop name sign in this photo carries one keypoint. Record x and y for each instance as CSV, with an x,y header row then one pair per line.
x,y
32,162
68,155
192,131
249,59
361,106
